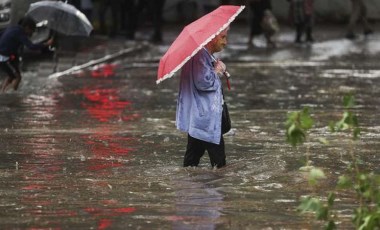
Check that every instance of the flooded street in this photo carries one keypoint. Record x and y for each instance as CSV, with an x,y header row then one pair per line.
x,y
98,149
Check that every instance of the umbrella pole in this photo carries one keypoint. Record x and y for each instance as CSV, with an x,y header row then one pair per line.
x,y
228,84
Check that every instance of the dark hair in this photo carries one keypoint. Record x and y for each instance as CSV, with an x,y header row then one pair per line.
x,y
28,22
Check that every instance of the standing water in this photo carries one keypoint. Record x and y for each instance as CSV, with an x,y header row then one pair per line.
x,y
98,149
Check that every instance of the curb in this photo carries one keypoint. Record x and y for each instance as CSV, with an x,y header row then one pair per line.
x,y
106,58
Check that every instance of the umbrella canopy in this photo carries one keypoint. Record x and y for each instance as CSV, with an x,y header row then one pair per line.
x,y
193,37
61,17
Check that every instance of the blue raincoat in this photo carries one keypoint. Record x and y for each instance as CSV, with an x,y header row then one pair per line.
x,y
199,105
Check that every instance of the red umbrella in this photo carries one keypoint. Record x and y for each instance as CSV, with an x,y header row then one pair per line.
x,y
193,37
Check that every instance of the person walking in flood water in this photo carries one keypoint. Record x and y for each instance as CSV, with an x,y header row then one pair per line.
x,y
200,103
12,39
258,9
358,13
301,13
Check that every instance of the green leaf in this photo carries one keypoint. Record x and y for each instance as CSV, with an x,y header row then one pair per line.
x,y
323,141
309,204
295,136
315,175
331,225
322,213
297,125
331,199
306,120
332,126
355,121
367,223
344,182
348,101
356,133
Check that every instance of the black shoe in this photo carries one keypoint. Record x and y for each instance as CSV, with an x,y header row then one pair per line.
x,y
350,36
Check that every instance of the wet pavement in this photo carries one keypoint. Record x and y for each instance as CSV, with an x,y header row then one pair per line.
x,y
98,148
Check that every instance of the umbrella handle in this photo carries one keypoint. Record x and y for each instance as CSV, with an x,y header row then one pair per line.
x,y
228,76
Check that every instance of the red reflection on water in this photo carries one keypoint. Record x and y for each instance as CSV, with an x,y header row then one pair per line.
x,y
103,104
108,145
33,187
124,210
107,148
109,212
104,223
104,166
104,70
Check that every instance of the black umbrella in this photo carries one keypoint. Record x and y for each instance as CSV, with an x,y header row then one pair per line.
x,y
61,17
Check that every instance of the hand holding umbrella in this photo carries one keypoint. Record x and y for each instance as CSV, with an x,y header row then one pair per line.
x,y
220,69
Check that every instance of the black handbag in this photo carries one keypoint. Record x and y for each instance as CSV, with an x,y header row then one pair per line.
x,y
226,121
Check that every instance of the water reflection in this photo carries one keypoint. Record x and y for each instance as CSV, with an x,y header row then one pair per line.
x,y
103,104
100,151
198,205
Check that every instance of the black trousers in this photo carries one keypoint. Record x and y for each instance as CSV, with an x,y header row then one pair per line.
x,y
11,67
196,149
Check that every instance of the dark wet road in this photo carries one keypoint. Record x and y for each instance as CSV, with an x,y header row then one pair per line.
x,y
98,149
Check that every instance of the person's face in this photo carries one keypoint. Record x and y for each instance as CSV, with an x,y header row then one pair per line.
x,y
219,42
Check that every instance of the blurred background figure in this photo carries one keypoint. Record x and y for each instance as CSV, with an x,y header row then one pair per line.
x,y
114,7
210,5
358,13
224,2
257,9
128,18
301,13
187,11
87,6
154,10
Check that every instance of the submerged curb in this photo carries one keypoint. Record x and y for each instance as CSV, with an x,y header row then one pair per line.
x,y
106,58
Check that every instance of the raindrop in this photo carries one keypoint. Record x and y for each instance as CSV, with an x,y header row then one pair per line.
x,y
16,165
82,158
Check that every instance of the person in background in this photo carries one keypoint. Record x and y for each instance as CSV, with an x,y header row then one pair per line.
x,y
86,7
128,18
302,15
155,10
225,2
210,5
11,41
200,105
258,8
114,6
358,13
